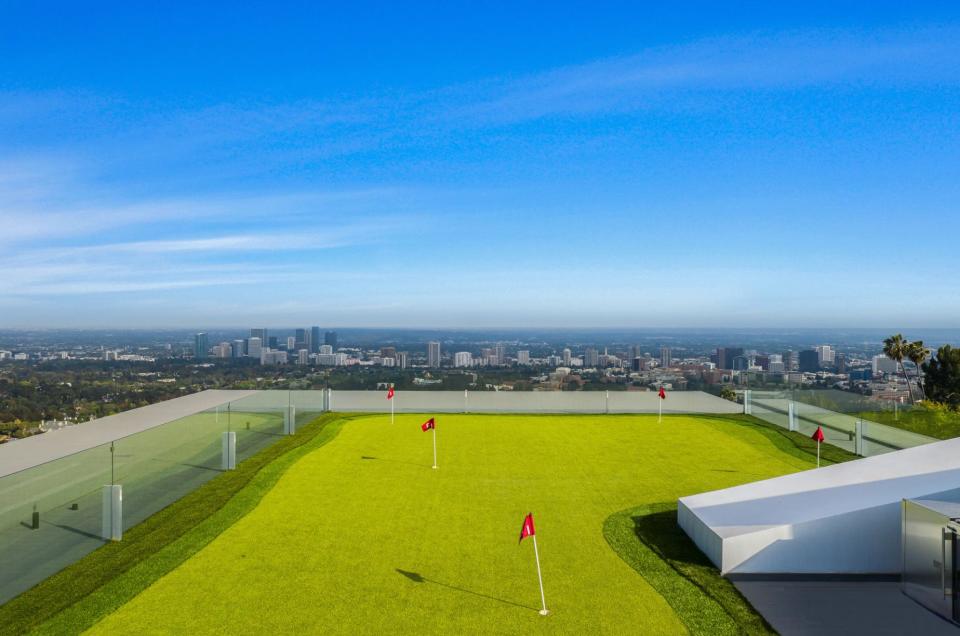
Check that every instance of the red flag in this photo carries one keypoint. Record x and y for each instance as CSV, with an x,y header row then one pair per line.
x,y
817,435
527,529
663,394
426,426
390,393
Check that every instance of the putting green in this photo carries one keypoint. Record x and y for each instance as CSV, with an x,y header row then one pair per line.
x,y
362,535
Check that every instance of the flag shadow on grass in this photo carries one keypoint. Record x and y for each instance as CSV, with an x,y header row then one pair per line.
x,y
419,578
395,461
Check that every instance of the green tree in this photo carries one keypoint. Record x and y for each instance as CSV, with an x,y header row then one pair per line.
x,y
727,393
942,376
896,348
918,354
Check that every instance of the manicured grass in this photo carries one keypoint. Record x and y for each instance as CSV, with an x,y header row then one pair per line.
x,y
362,536
84,592
649,539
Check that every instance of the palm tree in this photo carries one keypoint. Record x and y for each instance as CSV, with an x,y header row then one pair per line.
x,y
918,354
896,348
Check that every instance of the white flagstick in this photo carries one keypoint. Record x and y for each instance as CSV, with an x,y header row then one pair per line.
x,y
543,600
434,444
660,412
394,397
818,453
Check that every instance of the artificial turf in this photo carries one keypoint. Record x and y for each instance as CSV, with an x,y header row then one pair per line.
x,y
361,535
84,592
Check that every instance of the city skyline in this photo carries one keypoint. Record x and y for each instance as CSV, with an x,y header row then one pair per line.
x,y
456,168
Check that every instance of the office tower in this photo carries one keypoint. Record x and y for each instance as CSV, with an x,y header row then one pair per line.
x,y
741,363
201,346
291,343
433,354
763,362
809,361
591,358
326,350
841,360
463,359
665,359
566,357
825,355
259,333
725,356
881,364
523,357
315,339
501,352
303,356
254,347
300,339
273,342
330,338
638,364
388,352
239,348
790,362
402,359
634,352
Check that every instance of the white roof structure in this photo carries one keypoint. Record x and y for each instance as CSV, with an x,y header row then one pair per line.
x,y
843,518
39,449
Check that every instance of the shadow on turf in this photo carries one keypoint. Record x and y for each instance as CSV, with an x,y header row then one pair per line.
x,y
419,578
395,461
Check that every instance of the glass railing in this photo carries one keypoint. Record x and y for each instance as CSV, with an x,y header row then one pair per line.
x,y
857,423
53,514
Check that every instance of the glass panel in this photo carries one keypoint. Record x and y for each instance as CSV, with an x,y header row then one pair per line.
x,y
66,494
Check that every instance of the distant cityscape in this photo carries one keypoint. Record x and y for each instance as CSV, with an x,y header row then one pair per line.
x,y
531,363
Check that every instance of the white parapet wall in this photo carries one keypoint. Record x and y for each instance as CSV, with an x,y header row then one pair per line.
x,y
843,518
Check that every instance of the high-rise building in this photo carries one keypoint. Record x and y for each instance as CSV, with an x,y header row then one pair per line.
x,y
463,359
326,350
591,358
291,343
790,362
809,361
259,333
638,364
239,348
825,355
330,338
402,359
223,350
272,342
254,347
666,360
566,357
883,365
303,356
725,356
841,362
523,357
315,339
433,354
388,352
201,346
501,354
301,337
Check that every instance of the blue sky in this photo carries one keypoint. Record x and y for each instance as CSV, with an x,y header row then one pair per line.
x,y
592,165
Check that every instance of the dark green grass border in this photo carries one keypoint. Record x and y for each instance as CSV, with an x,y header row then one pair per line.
x,y
83,593
649,540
